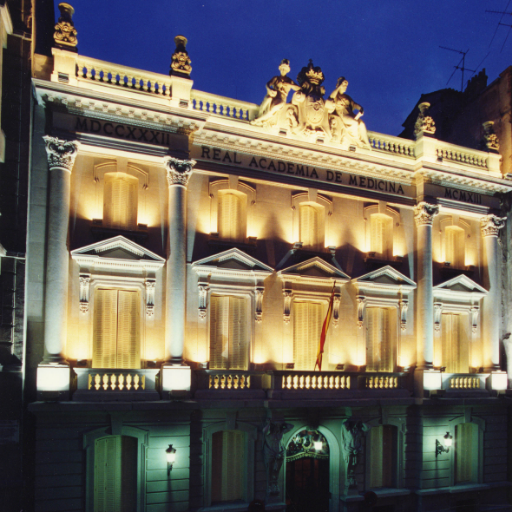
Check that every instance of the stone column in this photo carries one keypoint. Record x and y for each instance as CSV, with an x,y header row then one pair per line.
x,y
424,214
491,310
178,174
61,157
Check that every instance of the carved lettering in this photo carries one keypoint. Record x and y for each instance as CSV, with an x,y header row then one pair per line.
x,y
205,152
81,124
330,175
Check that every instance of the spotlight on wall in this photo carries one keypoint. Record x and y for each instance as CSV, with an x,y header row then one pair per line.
x,y
318,445
171,458
444,447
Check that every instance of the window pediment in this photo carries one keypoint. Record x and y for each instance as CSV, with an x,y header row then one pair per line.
x,y
314,269
231,260
385,278
460,288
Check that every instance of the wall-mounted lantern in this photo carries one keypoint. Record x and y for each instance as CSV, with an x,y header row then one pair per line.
x,y
170,454
444,447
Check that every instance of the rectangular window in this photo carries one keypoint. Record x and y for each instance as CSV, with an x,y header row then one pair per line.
x,y
381,235
380,341
383,453
231,216
116,329
454,344
466,453
229,333
228,466
310,226
120,201
115,474
455,238
307,328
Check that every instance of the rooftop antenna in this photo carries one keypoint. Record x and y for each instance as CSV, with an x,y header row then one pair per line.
x,y
499,23
459,66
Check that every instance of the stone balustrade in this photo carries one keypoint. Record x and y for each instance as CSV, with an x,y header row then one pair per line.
x,y
312,380
393,145
382,381
473,158
465,382
229,381
226,107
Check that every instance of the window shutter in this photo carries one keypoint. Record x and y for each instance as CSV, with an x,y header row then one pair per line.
x,y
455,346
238,340
380,340
383,450
230,223
466,451
219,332
381,235
377,455
307,328
129,446
107,474
120,201
455,250
104,329
128,328
228,466
309,226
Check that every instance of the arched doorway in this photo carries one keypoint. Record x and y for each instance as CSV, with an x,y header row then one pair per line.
x,y
307,472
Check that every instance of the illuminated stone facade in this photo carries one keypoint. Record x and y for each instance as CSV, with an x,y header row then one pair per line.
x,y
195,243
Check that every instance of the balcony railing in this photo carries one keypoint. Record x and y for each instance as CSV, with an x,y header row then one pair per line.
x,y
112,384
229,383
464,382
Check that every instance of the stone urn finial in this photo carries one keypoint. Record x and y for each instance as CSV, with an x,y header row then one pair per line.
x,y
490,140
180,64
65,32
424,123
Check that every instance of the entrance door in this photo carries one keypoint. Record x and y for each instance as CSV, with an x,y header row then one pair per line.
x,y
307,473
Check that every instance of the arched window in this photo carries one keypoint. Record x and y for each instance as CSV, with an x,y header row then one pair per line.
x,y
454,248
229,334
120,201
311,231
231,217
115,474
454,342
383,446
381,235
381,339
307,327
228,466
116,329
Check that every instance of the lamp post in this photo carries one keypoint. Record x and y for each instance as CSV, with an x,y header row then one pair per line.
x,y
171,458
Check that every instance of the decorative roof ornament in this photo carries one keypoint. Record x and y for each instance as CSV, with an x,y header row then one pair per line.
x,y
65,31
490,141
425,125
180,64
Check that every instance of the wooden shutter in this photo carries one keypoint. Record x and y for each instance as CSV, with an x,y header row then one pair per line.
x,y
455,246
380,340
383,456
466,453
120,201
105,329
128,319
381,235
228,466
455,347
238,339
307,328
230,222
309,226
219,332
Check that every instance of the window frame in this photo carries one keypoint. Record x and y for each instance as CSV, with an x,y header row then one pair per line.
x,y
383,209
447,221
325,207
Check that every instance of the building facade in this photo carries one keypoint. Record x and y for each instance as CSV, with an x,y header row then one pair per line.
x,y
184,250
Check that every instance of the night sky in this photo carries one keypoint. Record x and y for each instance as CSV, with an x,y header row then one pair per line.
x,y
387,49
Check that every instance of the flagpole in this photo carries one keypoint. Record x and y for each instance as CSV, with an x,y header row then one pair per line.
x,y
325,328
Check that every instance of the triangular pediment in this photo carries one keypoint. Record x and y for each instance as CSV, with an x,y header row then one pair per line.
x,y
461,284
385,276
232,259
315,268
117,248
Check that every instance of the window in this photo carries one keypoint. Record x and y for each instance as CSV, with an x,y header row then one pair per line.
x,y
228,466
231,216
380,340
311,230
229,340
454,342
115,474
466,453
307,327
383,445
454,250
116,329
120,201
381,235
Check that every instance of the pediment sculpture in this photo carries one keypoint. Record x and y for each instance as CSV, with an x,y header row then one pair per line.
x,y
309,115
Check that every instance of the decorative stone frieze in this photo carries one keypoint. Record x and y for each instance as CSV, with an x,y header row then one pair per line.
x,y
180,64
150,297
491,141
491,225
424,213
85,281
203,300
65,31
178,171
424,125
61,153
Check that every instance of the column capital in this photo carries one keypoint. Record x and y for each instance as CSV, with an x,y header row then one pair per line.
x,y
424,213
178,171
61,153
491,224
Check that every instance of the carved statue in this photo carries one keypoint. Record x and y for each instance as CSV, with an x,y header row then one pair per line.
x,y
424,122
273,452
277,93
65,31
490,141
180,64
351,433
345,124
311,115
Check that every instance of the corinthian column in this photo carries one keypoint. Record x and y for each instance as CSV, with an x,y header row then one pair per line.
x,y
178,174
424,214
491,311
61,157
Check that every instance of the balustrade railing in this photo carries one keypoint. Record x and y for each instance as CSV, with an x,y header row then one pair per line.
x,y
226,107
228,381
464,382
312,380
238,381
394,145
381,381
464,157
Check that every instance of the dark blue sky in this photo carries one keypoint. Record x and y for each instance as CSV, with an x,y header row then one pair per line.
x,y
387,49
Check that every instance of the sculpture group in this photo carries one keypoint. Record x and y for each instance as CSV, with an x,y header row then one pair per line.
x,y
337,119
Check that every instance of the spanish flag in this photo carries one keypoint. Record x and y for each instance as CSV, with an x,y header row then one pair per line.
x,y
325,328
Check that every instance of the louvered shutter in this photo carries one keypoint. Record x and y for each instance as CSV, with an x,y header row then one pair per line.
x,y
383,454
128,318
230,217
120,201
105,329
228,466
238,339
376,234
107,474
380,340
455,249
219,332
466,447
386,339
455,347
309,226
377,456
307,327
